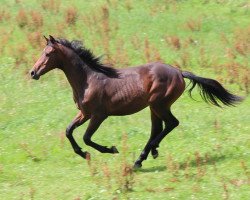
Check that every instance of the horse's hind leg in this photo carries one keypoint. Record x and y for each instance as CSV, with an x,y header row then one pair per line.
x,y
170,123
156,129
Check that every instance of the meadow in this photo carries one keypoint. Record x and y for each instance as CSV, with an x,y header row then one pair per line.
x,y
206,157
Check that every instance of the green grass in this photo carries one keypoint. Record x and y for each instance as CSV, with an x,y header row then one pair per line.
x,y
206,157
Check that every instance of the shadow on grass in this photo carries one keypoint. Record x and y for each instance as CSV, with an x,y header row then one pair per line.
x,y
195,162
203,160
152,169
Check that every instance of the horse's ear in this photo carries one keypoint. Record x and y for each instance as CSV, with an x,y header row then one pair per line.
x,y
52,39
47,40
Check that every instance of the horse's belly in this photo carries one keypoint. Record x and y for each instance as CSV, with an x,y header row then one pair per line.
x,y
128,108
125,103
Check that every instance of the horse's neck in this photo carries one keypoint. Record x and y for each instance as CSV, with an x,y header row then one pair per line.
x,y
77,77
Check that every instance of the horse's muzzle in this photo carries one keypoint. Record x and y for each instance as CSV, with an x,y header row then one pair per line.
x,y
34,75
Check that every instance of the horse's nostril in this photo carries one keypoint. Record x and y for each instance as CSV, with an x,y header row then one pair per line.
x,y
32,73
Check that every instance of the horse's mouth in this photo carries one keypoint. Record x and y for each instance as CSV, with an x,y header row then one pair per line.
x,y
36,77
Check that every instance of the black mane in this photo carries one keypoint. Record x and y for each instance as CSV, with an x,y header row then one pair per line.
x,y
88,57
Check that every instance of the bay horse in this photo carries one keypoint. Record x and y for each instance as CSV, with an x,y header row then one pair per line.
x,y
100,91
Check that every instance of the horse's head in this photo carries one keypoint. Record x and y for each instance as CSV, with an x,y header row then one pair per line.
x,y
49,59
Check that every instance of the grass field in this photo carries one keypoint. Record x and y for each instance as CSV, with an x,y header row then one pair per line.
x,y
206,157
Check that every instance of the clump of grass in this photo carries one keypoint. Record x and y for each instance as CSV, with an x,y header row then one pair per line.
x,y
242,41
33,19
147,50
217,125
204,59
185,59
106,31
20,54
36,20
156,54
120,57
230,54
71,15
30,153
187,168
36,39
127,180
61,27
92,166
128,5
245,169
32,193
194,24
160,190
225,194
246,82
118,180
22,18
51,5
62,139
174,42
126,175
4,39
4,15
199,164
136,42
172,165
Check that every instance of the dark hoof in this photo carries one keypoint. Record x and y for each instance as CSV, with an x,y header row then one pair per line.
x,y
154,153
137,166
87,155
114,149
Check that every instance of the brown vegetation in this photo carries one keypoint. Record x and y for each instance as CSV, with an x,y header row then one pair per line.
x,y
71,15
194,24
51,5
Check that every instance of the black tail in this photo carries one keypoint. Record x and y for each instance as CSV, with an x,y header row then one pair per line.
x,y
212,91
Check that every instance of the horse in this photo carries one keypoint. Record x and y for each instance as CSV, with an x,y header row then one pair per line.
x,y
100,91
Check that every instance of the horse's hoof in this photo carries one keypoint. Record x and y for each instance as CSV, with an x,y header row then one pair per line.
x,y
87,155
137,166
155,155
114,149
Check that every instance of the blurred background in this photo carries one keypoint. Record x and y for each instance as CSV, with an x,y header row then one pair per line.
x,y
206,157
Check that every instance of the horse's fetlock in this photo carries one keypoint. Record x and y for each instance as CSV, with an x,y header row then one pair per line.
x,y
143,156
78,151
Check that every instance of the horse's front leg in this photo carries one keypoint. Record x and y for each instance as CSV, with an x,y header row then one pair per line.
x,y
94,124
77,121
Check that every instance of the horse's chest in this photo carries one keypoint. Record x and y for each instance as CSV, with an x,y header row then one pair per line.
x,y
82,103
